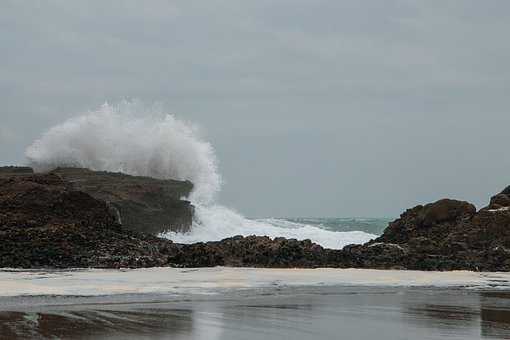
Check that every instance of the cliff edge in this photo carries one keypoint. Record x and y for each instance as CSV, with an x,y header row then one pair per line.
x,y
144,204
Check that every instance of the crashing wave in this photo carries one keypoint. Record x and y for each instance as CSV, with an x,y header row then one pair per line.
x,y
145,141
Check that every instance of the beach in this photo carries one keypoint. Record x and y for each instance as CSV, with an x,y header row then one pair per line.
x,y
246,303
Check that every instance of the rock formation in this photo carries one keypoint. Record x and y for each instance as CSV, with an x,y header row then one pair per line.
x,y
445,235
9,171
69,218
45,223
144,204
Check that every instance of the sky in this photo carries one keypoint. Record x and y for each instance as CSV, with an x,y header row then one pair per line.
x,y
315,108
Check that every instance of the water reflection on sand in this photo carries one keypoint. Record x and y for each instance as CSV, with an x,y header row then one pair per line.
x,y
242,303
335,312
487,311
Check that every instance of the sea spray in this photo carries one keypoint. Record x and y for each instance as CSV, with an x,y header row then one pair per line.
x,y
215,222
133,139
145,141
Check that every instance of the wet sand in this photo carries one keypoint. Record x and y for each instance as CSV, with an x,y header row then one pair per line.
x,y
230,303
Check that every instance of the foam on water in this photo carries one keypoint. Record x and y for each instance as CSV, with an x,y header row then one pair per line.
x,y
215,222
97,282
146,141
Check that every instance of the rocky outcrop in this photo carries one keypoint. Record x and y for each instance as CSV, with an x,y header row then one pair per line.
x,y
9,171
259,251
51,220
144,204
44,222
445,235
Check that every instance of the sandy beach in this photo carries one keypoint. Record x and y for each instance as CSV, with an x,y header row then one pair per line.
x,y
246,303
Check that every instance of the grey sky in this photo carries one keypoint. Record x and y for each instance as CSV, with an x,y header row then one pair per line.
x,y
315,108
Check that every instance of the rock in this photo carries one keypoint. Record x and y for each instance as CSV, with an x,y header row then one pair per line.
x,y
434,220
9,171
377,255
46,223
445,210
143,204
499,201
506,191
445,235
258,251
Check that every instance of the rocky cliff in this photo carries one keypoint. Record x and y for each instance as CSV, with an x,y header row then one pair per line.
x,y
144,204
45,223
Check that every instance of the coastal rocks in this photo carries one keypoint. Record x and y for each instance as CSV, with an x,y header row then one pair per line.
x,y
376,255
141,203
71,218
9,171
144,204
45,223
445,235
432,221
501,200
259,251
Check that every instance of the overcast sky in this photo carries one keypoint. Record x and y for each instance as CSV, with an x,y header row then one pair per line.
x,y
315,108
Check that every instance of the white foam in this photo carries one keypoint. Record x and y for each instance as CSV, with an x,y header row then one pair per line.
x,y
96,282
133,139
214,222
499,209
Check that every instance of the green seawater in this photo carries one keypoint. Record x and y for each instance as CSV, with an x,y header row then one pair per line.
x,y
372,225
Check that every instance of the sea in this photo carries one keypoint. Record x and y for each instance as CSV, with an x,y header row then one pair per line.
x,y
214,223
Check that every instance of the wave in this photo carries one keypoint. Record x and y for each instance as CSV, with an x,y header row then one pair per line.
x,y
216,222
133,139
145,141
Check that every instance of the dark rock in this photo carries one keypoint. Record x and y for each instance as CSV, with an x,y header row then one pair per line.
x,y
445,235
45,223
377,255
499,201
9,171
434,220
143,204
445,210
506,191
260,251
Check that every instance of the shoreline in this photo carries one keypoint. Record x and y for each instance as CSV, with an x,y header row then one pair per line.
x,y
165,280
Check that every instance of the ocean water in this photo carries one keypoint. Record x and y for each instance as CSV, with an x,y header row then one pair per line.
x,y
213,223
370,225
